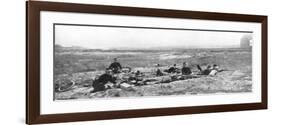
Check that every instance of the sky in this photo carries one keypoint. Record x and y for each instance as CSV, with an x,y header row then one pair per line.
x,y
139,38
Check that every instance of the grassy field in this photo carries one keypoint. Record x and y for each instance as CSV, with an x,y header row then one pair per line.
x,y
81,65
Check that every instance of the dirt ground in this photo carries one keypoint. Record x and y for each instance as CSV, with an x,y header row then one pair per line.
x,y
237,77
224,82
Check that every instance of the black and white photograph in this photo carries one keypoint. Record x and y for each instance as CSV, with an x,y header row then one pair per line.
x,y
113,61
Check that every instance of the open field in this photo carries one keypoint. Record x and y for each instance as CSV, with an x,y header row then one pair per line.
x,y
82,65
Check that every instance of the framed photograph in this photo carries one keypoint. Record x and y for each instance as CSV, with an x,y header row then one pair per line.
x,y
93,62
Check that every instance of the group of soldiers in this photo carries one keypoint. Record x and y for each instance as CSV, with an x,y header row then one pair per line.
x,y
185,70
115,68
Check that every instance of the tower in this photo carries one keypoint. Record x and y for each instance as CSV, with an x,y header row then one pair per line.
x,y
245,41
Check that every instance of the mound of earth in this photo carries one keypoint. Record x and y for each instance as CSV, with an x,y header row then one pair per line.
x,y
224,82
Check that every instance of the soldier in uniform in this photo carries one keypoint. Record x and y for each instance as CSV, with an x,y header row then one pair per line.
x,y
173,69
99,84
185,69
115,66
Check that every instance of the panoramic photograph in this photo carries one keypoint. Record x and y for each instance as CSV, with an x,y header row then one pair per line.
x,y
107,61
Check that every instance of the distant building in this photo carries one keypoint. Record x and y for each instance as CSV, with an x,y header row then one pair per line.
x,y
246,41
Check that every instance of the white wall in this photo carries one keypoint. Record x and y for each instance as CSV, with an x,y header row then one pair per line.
x,y
12,84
